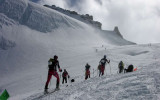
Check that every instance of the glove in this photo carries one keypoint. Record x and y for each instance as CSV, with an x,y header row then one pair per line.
x,y
68,76
60,70
108,61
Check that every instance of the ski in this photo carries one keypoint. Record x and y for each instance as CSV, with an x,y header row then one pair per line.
x,y
45,93
52,91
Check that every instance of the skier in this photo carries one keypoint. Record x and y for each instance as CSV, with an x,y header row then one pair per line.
x,y
87,73
130,69
102,64
52,64
121,67
64,75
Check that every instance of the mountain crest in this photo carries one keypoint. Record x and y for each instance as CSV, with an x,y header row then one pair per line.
x,y
88,19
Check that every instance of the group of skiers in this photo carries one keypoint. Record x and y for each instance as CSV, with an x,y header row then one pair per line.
x,y
101,67
125,70
53,63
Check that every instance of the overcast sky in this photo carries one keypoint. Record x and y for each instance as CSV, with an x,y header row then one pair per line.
x,y
137,20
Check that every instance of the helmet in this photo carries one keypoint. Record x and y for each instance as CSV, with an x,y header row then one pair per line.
x,y
55,57
104,56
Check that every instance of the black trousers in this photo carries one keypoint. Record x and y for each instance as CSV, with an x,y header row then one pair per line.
x,y
87,76
64,79
121,70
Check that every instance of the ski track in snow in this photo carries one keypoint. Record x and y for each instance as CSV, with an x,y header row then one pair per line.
x,y
32,34
140,85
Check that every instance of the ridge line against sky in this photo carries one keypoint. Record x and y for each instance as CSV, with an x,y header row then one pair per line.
x,y
137,20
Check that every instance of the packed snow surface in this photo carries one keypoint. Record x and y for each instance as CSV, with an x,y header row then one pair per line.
x,y
30,34
142,84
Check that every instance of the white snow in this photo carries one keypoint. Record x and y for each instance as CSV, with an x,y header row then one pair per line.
x,y
29,42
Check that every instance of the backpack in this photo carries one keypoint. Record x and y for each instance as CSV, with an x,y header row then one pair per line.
x,y
72,80
99,67
130,68
50,61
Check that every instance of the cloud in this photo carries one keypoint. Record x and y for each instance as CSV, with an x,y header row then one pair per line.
x,y
138,20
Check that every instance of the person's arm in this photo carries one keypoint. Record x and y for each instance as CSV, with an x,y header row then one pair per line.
x,y
108,61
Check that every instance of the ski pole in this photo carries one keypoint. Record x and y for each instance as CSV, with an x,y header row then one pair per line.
x,y
110,68
93,72
105,71
60,75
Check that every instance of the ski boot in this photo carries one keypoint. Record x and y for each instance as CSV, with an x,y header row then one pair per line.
x,y
57,86
46,89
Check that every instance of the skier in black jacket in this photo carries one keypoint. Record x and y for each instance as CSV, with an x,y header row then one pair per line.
x,y
64,75
53,64
102,64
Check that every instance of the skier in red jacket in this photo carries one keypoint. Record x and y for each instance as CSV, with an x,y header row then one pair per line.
x,y
87,73
102,64
52,64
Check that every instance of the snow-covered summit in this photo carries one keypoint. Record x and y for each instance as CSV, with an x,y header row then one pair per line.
x,y
35,16
84,18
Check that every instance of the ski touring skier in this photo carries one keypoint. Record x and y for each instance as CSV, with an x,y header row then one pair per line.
x,y
102,64
64,75
87,73
129,69
53,63
121,66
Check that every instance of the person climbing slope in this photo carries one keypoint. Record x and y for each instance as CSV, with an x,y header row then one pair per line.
x,y
64,75
53,63
87,73
102,64
121,67
129,69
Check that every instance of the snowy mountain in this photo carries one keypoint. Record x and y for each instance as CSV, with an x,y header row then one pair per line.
x,y
30,34
88,19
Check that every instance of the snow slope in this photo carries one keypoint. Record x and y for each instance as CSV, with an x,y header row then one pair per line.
x,y
142,84
30,34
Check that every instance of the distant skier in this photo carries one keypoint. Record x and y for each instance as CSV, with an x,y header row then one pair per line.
x,y
64,75
121,67
52,64
87,73
130,69
102,64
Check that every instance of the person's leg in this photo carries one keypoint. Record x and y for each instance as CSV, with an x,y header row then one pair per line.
x,y
119,70
63,81
102,71
48,79
99,73
89,74
66,79
86,75
57,76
